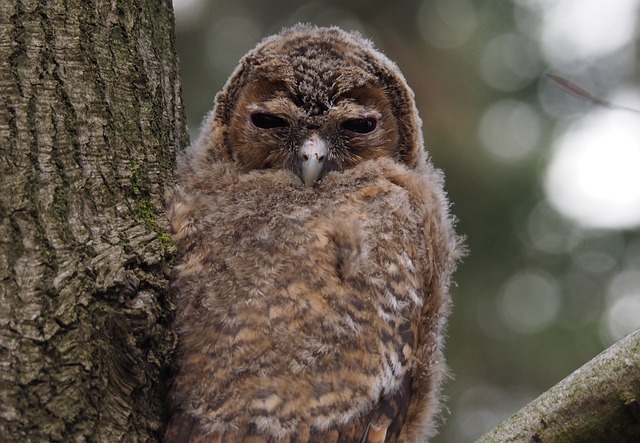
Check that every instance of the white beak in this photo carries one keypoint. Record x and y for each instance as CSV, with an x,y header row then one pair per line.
x,y
313,153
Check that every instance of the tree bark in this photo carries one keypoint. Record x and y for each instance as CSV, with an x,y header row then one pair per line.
x,y
600,402
90,120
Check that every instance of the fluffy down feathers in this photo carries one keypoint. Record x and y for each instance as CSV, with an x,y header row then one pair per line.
x,y
309,314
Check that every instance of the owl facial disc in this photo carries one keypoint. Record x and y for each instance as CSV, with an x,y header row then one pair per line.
x,y
313,153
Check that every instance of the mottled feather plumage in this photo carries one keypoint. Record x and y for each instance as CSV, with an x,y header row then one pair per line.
x,y
310,313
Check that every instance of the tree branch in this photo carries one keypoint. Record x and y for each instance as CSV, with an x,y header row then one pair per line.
x,y
598,402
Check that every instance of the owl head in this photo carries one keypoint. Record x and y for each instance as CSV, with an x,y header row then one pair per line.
x,y
312,100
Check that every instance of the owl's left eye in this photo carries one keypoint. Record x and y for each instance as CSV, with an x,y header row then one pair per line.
x,y
360,125
268,121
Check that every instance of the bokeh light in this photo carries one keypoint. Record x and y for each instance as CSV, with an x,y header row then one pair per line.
x,y
575,30
593,176
580,305
530,301
446,23
484,406
510,129
509,62
622,315
547,231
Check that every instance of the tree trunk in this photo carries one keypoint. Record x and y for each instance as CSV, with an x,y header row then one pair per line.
x,y
89,123
600,402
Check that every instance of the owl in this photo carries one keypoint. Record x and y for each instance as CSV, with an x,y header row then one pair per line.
x,y
315,253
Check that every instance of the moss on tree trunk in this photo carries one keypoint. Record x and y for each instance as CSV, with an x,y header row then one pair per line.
x,y
90,118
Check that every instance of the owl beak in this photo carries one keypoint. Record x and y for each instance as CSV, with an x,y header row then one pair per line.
x,y
313,153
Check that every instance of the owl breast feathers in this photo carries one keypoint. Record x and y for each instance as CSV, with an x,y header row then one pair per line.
x,y
315,254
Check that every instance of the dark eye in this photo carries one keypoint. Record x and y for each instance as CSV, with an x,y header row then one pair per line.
x,y
360,125
268,121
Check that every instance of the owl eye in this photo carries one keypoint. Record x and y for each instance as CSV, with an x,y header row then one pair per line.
x,y
268,121
360,125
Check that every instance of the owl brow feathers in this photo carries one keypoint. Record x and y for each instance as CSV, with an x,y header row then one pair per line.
x,y
278,59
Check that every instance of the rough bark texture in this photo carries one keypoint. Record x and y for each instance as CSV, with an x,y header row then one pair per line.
x,y
600,402
90,117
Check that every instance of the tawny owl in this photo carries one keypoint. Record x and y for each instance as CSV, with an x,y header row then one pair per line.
x,y
316,249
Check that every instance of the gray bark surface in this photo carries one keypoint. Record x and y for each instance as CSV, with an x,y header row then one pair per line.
x,y
90,118
599,402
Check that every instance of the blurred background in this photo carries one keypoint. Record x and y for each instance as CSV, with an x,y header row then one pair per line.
x,y
546,185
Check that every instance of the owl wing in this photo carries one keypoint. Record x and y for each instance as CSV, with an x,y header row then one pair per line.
x,y
383,423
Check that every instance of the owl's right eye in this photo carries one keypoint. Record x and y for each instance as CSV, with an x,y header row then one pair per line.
x,y
268,121
360,125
